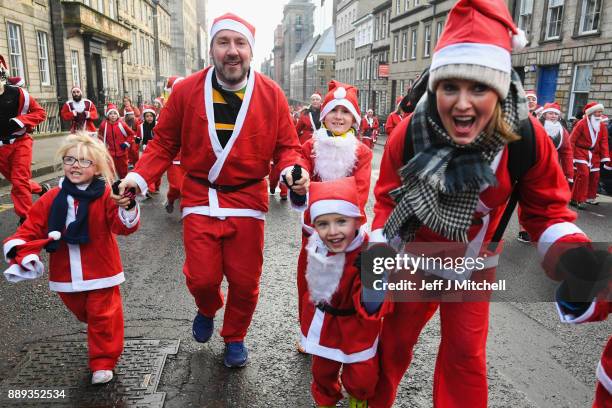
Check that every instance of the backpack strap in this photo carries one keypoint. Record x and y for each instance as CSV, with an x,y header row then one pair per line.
x,y
521,157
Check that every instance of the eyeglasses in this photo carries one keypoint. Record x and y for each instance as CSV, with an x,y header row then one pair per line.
x,y
69,161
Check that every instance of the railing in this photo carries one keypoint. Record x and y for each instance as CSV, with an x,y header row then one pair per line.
x,y
53,123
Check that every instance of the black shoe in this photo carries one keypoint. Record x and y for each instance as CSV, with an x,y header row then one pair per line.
x,y
523,236
169,207
44,188
573,203
21,220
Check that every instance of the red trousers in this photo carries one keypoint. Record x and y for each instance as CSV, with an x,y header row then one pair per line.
x,y
175,175
101,309
233,248
585,183
368,142
460,377
603,399
15,166
274,180
359,379
302,285
121,165
133,154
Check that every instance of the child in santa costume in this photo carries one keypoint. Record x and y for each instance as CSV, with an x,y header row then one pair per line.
x,y
335,152
339,329
454,189
369,129
118,137
133,123
145,134
76,222
19,115
395,117
80,111
590,142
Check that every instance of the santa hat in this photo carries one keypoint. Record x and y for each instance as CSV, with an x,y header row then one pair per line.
x,y
111,107
25,263
128,111
531,94
475,45
340,94
333,197
148,109
232,22
16,81
173,80
604,119
159,100
551,107
3,63
75,87
592,107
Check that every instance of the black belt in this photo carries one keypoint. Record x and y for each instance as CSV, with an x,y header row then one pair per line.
x,y
586,148
225,188
324,307
10,140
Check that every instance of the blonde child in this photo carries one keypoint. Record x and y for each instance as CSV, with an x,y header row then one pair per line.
x,y
76,222
338,328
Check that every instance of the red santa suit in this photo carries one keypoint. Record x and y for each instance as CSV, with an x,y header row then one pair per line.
x,y
461,367
86,276
335,328
597,311
590,150
21,115
224,193
129,118
369,130
305,125
146,138
561,140
392,121
118,137
176,175
71,109
331,158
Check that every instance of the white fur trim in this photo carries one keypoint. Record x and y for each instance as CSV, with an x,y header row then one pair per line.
x,y
604,378
343,207
138,179
486,55
111,110
55,235
329,106
233,25
130,218
594,109
554,233
557,111
519,40
572,319
15,273
90,284
32,265
377,236
148,111
335,157
323,273
340,93
10,244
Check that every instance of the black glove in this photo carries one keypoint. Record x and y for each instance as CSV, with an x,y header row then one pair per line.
x,y
371,263
586,273
296,174
13,127
137,140
130,192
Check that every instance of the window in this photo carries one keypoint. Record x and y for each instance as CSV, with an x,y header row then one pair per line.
x,y
142,51
416,3
525,13
580,88
398,4
413,44
133,7
86,2
377,28
383,28
74,63
368,67
43,58
111,9
104,73
321,64
375,70
116,76
298,20
402,88
427,41
406,5
439,28
589,17
131,88
554,19
15,54
395,47
101,6
133,48
404,46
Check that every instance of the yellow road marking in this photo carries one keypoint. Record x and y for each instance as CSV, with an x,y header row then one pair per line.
x,y
5,207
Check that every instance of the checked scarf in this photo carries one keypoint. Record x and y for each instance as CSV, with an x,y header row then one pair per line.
x,y
442,182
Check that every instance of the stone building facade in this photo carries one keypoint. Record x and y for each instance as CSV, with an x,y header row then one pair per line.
x,y
346,14
321,64
298,28
184,55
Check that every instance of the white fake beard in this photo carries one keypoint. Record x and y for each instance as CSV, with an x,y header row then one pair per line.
x,y
595,123
552,128
335,157
323,273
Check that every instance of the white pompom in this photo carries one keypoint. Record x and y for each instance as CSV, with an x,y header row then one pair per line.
x,y
519,40
340,93
55,235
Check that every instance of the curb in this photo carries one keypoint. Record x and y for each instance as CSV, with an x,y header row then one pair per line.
x,y
36,172
49,135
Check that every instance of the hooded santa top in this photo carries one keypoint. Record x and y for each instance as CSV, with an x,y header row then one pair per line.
x,y
71,108
590,139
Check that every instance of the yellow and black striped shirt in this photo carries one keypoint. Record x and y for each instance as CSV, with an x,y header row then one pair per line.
x,y
226,107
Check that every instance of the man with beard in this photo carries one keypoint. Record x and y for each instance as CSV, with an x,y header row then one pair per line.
x,y
309,122
19,115
227,144
80,111
590,141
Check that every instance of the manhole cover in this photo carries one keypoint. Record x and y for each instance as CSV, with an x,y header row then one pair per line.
x,y
56,373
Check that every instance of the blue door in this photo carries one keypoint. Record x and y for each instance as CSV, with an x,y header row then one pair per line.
x,y
547,83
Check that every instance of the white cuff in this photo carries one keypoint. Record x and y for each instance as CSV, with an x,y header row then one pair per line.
x,y
32,266
605,159
606,167
572,319
377,236
20,123
137,178
130,218
10,244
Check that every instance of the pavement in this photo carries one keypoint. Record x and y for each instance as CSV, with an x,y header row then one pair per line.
x,y
533,360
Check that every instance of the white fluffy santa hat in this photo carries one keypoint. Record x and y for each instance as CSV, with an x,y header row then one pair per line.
x,y
333,197
475,45
232,22
592,107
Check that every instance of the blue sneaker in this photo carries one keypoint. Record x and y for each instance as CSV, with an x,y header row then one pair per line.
x,y
203,328
236,354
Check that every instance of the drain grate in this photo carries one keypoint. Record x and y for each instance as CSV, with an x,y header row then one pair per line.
x,y
56,374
